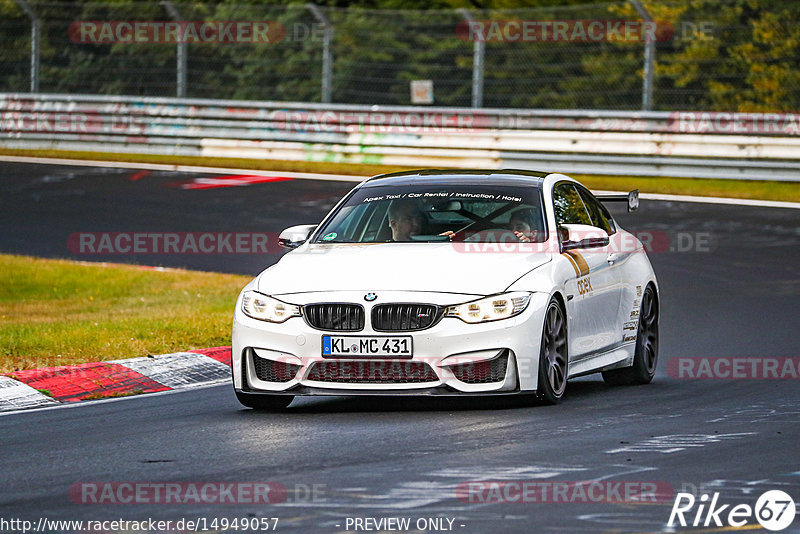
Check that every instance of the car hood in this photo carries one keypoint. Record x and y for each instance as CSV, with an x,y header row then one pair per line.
x,y
436,267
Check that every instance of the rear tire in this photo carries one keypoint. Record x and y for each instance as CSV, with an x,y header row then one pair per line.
x,y
645,357
553,355
267,403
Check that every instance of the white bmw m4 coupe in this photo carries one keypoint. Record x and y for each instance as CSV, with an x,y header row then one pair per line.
x,y
450,283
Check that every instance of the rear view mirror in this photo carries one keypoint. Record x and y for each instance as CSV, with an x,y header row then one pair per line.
x,y
448,205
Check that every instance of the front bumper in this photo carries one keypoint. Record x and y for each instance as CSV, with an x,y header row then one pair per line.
x,y
451,350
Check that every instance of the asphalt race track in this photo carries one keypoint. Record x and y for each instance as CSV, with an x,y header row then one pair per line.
x,y
729,278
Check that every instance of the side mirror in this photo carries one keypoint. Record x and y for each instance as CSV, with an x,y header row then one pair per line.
x,y
295,236
582,236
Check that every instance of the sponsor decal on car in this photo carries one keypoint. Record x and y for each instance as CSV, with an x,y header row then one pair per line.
x,y
585,285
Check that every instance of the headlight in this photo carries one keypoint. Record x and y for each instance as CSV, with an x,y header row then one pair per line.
x,y
490,308
266,308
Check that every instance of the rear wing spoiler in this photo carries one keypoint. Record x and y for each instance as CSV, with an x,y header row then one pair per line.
x,y
632,198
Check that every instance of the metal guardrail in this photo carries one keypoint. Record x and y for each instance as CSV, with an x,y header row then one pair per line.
x,y
703,145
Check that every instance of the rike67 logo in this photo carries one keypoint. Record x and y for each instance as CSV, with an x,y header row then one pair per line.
x,y
774,510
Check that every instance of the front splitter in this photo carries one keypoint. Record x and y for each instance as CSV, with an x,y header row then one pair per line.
x,y
438,391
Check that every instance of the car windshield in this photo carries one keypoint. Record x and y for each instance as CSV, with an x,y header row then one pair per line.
x,y
434,213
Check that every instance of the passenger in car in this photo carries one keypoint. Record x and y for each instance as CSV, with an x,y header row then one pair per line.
x,y
521,223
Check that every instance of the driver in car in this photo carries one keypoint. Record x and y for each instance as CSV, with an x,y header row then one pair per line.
x,y
405,219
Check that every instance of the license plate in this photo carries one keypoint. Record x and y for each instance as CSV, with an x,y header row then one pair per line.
x,y
367,346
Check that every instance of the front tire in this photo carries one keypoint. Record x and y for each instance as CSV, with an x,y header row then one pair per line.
x,y
553,355
645,357
267,403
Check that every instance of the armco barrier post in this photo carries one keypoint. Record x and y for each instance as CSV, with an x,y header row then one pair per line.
x,y
34,44
327,52
182,51
479,49
649,59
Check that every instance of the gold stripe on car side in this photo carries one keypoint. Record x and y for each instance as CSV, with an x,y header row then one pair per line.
x,y
580,262
572,262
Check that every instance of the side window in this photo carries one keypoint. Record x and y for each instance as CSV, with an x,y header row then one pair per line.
x,y
376,228
568,206
600,216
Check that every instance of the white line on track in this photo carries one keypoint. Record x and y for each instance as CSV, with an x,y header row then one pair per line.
x,y
350,178
182,168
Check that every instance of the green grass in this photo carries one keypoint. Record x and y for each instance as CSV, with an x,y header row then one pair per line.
x,y
352,169
57,312
752,189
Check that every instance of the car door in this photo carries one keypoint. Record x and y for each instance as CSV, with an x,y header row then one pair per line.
x,y
592,288
616,257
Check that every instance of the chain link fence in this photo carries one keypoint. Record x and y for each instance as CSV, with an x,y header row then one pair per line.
x,y
728,55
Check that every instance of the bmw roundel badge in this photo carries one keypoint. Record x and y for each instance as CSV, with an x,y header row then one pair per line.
x,y
369,297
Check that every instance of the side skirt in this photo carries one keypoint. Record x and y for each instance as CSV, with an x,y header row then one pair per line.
x,y
615,358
